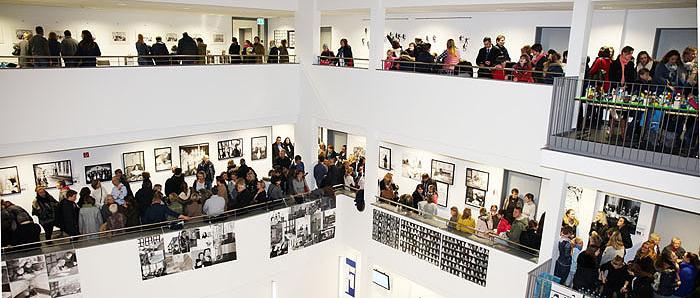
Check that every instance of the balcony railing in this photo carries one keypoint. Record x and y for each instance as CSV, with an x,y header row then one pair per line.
x,y
487,238
22,62
540,281
641,124
361,63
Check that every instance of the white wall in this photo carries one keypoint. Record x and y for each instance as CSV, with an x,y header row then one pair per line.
x,y
671,223
102,22
284,24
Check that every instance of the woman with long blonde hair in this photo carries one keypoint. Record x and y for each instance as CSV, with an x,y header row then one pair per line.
x,y
450,57
614,248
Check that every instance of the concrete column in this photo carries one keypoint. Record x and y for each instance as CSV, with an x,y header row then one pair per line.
x,y
308,31
553,205
579,37
377,16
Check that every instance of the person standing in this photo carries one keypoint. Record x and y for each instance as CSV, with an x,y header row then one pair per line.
x,y
187,46
89,48
284,58
675,247
207,167
44,207
143,50
98,192
501,46
201,51
274,56
175,183
159,49
465,222
159,212
90,217
69,47
144,196
450,57
511,203
54,50
345,54
320,171
258,50
24,50
216,204
529,207
538,60
118,191
39,46
234,50
487,58
518,226
562,268
622,70
68,214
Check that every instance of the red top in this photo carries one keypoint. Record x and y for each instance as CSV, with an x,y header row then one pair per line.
x,y
503,226
602,64
498,73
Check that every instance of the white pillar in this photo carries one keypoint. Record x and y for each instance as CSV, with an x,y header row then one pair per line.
x,y
554,204
308,31
377,16
579,37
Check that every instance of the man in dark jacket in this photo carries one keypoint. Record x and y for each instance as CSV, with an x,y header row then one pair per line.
x,y
69,47
187,46
284,54
622,70
39,46
487,57
144,197
159,212
160,49
335,173
274,56
69,213
174,183
538,60
258,50
242,169
207,167
44,207
235,51
425,60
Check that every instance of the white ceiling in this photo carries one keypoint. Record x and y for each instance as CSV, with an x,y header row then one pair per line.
x,y
546,6
147,5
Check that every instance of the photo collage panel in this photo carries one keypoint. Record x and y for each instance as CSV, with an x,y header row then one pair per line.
x,y
301,226
50,275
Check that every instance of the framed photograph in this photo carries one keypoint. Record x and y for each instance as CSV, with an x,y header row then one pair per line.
x,y
616,207
191,156
443,190
412,166
171,37
217,38
19,33
258,148
385,158
230,149
9,181
291,39
475,197
164,159
147,37
119,37
477,179
134,165
50,173
101,172
443,171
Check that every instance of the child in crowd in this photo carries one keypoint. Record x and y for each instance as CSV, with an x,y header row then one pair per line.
x,y
578,247
389,60
565,247
499,72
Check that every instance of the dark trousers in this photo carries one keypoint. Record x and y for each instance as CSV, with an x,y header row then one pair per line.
x,y
48,230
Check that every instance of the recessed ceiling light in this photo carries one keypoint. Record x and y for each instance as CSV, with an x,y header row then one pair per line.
x,y
121,4
186,8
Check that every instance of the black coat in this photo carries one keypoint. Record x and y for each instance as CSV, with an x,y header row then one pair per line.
x,y
273,57
235,51
186,46
69,214
243,199
144,199
586,276
504,52
485,56
425,60
174,185
160,49
626,238
616,71
88,48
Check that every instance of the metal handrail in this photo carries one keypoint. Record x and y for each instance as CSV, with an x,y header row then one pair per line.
x,y
139,60
150,227
491,68
489,236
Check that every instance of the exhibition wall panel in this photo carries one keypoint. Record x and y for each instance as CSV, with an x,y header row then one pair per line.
x,y
82,159
59,109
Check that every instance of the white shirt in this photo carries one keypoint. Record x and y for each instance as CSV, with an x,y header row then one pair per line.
x,y
529,210
99,195
215,205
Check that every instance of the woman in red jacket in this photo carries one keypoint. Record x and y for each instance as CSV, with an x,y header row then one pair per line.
x,y
600,71
522,72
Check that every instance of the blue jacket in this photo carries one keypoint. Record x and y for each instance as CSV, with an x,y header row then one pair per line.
x,y
320,172
157,213
688,273
664,75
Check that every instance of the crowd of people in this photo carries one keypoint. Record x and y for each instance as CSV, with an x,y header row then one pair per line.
x,y
99,208
339,168
50,51
600,268
516,221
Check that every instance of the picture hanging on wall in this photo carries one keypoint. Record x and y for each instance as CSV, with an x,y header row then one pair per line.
x,y
217,38
64,278
442,171
443,190
164,159
28,275
477,179
385,158
50,173
134,165
258,148
152,256
291,39
475,197
573,196
412,167
101,172
230,149
279,35
191,156
616,207
171,37
9,181
19,33
147,37
119,37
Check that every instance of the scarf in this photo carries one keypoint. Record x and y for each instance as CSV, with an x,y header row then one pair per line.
x,y
623,63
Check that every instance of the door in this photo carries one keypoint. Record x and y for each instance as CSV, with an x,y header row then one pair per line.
x,y
556,38
245,34
326,37
674,39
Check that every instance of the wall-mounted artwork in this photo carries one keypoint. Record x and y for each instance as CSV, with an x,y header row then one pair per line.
x,y
152,256
171,37
279,35
573,196
412,167
101,172
477,179
28,275
9,181
442,171
616,207
230,149
291,39
475,197
64,278
385,158
258,148
217,38
119,37
443,190
191,156
50,173
19,33
147,37
301,226
164,158
134,165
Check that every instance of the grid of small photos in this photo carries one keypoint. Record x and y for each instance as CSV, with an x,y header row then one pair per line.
x,y
420,241
385,229
455,256
464,259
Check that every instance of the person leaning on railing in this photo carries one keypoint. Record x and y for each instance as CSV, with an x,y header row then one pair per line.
x,y
39,46
522,71
325,54
160,49
88,47
553,68
345,54
235,51
69,47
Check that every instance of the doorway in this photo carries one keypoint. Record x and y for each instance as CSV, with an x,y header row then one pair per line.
x,y
556,38
326,37
245,34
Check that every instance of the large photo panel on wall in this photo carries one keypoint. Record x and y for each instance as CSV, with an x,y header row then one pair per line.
x,y
191,156
163,159
134,165
50,173
101,172
9,181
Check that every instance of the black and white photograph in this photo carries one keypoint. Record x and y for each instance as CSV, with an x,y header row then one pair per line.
x,y
9,181
6,292
101,172
327,234
50,173
224,242
443,190
385,158
28,277
152,256
230,149
134,165
119,37
412,167
291,39
201,245
191,156
164,159
442,171
475,197
616,207
177,248
328,218
573,197
64,280
279,241
258,148
477,179
171,37
217,38
20,33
